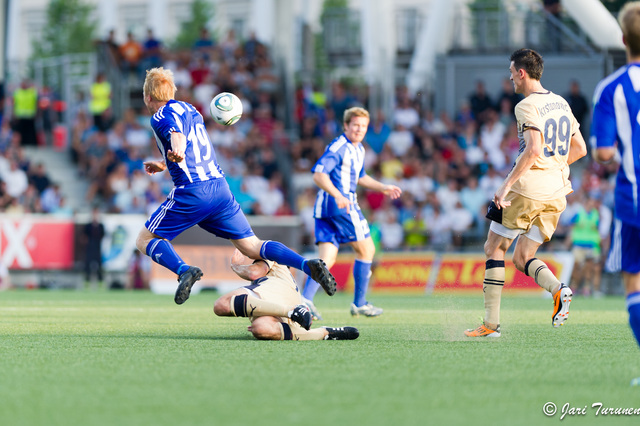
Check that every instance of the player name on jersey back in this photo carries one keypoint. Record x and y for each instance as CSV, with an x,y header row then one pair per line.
x,y
550,115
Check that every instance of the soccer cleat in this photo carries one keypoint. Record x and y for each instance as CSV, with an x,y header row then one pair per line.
x,y
368,310
320,274
187,279
312,308
561,302
483,331
302,316
342,333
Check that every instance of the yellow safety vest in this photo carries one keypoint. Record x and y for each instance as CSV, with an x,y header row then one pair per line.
x,y
25,103
100,97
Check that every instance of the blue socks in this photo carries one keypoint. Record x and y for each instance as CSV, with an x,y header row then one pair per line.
x,y
633,306
278,252
310,289
163,253
361,275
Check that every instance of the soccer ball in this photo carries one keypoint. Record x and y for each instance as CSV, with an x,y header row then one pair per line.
x,y
226,108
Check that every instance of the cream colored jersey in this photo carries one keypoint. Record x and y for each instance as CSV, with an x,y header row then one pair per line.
x,y
280,272
551,115
278,287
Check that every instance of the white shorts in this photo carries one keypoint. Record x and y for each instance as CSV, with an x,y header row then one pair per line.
x,y
533,233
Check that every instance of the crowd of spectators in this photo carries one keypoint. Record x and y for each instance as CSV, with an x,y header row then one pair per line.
x,y
448,167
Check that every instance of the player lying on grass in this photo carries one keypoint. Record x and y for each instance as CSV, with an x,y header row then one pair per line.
x,y
273,304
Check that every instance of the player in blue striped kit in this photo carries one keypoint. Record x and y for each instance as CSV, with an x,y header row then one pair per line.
x,y
338,217
201,195
616,120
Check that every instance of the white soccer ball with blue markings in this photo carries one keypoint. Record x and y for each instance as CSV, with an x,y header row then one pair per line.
x,y
226,108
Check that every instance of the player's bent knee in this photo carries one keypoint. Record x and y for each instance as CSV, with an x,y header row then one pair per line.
x,y
520,262
143,239
263,330
141,244
221,307
249,246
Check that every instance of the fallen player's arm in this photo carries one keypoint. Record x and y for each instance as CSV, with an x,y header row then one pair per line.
x,y
374,185
578,148
251,272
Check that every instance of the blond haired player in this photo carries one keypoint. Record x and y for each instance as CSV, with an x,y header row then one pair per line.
x,y
273,304
201,195
529,202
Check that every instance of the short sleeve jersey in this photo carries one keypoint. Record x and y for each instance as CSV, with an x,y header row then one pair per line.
x,y
343,161
616,119
280,273
200,162
551,115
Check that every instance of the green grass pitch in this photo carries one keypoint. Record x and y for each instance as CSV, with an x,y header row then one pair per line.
x,y
122,358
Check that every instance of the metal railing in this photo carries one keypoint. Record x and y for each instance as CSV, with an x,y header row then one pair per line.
x,y
489,31
66,75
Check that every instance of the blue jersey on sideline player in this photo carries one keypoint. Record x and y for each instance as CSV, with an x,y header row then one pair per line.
x,y
338,218
615,122
344,163
201,195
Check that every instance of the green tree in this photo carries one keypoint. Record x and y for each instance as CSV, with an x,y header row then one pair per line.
x,y
201,13
69,29
330,9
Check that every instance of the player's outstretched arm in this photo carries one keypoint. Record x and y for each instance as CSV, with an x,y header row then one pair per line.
x,y
578,148
245,270
324,182
152,167
374,185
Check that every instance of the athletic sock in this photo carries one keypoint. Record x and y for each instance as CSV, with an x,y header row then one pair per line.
x,y
633,306
285,332
542,275
310,288
244,305
300,333
162,252
361,275
278,252
492,288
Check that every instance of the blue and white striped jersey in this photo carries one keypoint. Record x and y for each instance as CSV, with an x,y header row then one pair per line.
x,y
200,162
343,161
616,118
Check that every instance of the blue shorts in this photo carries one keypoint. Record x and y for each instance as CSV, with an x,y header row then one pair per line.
x,y
630,237
625,250
209,204
342,229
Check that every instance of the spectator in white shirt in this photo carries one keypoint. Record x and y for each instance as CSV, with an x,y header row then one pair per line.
x,y
405,115
16,180
400,140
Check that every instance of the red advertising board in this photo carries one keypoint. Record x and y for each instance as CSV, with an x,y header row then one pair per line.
x,y
466,271
421,272
33,242
392,272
